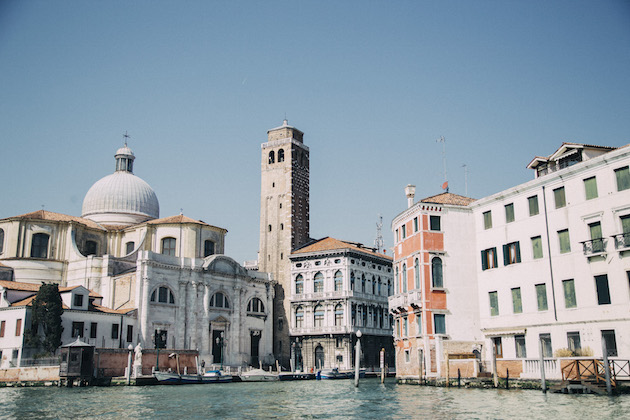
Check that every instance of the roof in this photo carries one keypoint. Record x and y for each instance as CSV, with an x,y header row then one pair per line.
x,y
56,217
15,285
330,244
562,149
180,218
112,311
29,301
67,289
448,198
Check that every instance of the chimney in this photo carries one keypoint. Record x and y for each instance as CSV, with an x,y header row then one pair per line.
x,y
410,191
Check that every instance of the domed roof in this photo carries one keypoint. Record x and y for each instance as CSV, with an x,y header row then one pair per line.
x,y
121,198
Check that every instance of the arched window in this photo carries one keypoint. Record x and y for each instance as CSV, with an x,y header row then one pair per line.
x,y
280,155
379,286
363,283
299,284
219,300
39,246
373,285
416,269
319,357
404,277
129,247
208,248
318,316
318,283
163,295
364,313
436,272
272,157
352,280
299,317
338,281
1,240
389,287
90,248
338,315
396,286
168,246
255,306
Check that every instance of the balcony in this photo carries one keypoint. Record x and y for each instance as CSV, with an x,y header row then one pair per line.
x,y
622,241
414,298
594,247
401,302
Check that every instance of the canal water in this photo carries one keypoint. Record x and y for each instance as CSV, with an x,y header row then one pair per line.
x,y
304,399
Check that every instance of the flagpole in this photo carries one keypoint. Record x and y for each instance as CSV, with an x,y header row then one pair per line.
x,y
443,141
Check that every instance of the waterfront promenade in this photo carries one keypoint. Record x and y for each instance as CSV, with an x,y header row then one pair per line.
x,y
304,399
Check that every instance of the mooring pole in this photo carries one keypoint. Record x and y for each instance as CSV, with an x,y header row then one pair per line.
x,y
507,378
382,365
543,383
495,375
606,368
420,365
357,357
448,373
459,377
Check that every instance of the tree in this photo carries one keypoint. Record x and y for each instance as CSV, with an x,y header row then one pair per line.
x,y
46,313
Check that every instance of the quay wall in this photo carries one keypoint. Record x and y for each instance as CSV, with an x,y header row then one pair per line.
x,y
113,362
30,374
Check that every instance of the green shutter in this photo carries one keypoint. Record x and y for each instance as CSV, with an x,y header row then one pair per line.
x,y
590,187
623,178
541,295
506,255
516,300
484,260
537,247
518,252
559,197
533,205
569,294
494,257
625,224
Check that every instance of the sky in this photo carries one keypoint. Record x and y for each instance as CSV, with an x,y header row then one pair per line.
x,y
372,84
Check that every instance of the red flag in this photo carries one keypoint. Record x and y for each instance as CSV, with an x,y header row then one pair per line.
x,y
445,185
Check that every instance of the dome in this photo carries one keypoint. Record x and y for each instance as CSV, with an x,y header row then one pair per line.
x,y
121,198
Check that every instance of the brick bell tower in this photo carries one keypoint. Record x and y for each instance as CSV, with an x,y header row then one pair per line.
x,y
284,220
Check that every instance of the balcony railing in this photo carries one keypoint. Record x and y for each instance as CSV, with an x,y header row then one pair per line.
x,y
404,300
622,241
594,247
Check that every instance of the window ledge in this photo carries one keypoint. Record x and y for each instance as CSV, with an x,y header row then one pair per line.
x,y
439,289
168,305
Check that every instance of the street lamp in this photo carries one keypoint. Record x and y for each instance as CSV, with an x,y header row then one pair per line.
x,y
129,364
220,342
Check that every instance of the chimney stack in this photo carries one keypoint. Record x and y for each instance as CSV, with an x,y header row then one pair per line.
x,y
410,191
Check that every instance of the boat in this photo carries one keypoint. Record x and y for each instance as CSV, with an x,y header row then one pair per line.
x,y
258,375
214,376
209,377
335,373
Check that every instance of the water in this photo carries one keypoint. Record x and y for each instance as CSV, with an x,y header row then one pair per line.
x,y
304,399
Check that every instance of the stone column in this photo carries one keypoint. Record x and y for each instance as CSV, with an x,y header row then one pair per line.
x,y
180,322
143,312
206,347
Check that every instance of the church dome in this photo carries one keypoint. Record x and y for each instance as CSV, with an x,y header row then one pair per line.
x,y
121,198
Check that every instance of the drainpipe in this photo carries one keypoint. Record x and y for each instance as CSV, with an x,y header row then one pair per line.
x,y
553,289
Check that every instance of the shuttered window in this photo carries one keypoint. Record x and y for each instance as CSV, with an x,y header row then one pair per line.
x,y
590,188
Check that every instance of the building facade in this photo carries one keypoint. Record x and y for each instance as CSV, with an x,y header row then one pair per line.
x,y
284,219
338,288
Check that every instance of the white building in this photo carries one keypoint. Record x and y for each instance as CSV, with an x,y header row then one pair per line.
x,y
337,289
171,270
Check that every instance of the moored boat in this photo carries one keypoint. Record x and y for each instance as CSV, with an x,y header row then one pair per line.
x,y
258,375
172,378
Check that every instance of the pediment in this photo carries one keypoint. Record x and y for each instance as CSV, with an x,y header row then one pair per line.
x,y
224,265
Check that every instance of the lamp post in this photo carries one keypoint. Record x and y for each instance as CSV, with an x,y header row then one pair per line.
x,y
357,357
129,364
220,343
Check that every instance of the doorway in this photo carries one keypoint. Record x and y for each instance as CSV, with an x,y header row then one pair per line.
x,y
255,346
319,357
218,337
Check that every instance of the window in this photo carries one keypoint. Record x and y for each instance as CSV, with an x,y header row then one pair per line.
x,y
405,327
93,328
168,246
319,316
404,231
39,245
379,286
623,178
129,247
509,213
537,251
318,283
511,253
558,195
416,270
541,296
299,317
299,284
603,294
608,337
415,224
269,228
519,342
404,277
434,222
436,272
517,303
78,300
533,205
389,287
487,220
114,331
439,321
573,341
255,305
90,248
498,346
397,238
565,243
163,295
219,300
407,356
590,188
569,293
3,325
272,157
129,333
338,315
489,258
546,345
352,280
208,248
494,304
280,155
597,242
18,327
1,240
373,285
419,323
281,226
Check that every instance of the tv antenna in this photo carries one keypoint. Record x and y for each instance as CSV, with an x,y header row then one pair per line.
x,y
443,141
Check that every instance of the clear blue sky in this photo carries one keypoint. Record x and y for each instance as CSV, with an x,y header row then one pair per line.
x,y
372,84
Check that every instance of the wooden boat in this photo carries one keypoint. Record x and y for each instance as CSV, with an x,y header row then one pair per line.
x,y
210,377
215,376
258,375
335,373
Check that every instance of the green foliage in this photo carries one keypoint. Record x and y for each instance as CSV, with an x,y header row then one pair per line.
x,y
46,313
564,352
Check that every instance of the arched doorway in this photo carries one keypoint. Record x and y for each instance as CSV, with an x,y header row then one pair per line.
x,y
319,357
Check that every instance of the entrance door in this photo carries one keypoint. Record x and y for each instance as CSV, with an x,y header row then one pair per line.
x,y
255,346
217,346
319,357
498,344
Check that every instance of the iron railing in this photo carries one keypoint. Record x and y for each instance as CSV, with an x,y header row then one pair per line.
x,y
594,246
622,240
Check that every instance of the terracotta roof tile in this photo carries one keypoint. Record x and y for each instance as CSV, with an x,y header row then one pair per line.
x,y
103,309
448,198
29,301
329,244
57,217
15,285
180,218
67,289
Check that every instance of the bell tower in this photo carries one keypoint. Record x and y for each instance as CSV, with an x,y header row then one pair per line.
x,y
284,219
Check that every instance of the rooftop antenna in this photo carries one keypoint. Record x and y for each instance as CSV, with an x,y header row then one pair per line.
x,y
126,136
379,244
465,179
443,141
